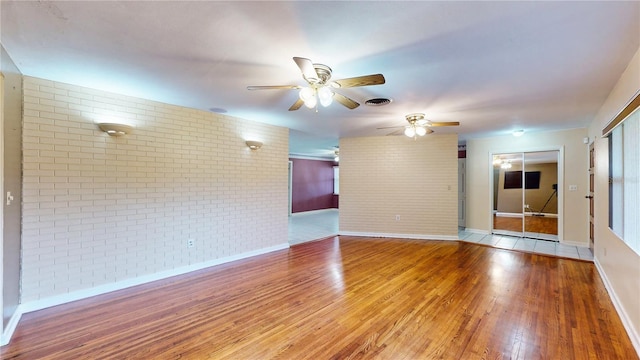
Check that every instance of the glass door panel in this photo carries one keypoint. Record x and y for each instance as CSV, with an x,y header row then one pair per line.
x,y
541,195
508,200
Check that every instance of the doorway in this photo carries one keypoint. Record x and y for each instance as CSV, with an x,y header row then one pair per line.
x,y
525,194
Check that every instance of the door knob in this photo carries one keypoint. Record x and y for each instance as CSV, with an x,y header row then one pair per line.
x,y
589,197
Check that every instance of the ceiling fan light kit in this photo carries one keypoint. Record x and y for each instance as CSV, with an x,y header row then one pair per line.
x,y
417,125
311,96
325,95
308,95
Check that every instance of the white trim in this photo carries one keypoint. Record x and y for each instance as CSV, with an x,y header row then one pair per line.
x,y
311,157
2,196
402,236
290,182
624,317
575,243
477,231
509,215
11,326
103,289
560,192
311,212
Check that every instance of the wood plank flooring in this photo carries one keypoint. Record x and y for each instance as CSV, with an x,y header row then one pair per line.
x,y
345,298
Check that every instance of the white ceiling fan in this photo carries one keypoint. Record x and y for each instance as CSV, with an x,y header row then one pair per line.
x,y
321,89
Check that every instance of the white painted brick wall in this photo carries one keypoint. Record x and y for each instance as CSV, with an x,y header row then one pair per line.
x,y
99,209
381,177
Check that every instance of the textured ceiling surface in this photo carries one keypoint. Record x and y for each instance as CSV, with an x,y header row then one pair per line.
x,y
492,66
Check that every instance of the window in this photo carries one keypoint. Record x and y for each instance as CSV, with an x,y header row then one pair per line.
x,y
336,180
624,180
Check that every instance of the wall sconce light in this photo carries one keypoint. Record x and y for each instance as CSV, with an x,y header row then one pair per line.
x,y
115,129
254,145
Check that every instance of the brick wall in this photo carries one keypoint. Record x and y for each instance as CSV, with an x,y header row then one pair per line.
x,y
381,177
101,209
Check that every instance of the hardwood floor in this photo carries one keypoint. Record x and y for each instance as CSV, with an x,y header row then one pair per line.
x,y
345,298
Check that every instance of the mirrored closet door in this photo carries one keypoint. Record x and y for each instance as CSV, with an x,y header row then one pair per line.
x,y
525,194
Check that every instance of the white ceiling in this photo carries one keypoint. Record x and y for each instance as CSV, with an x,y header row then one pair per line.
x,y
492,66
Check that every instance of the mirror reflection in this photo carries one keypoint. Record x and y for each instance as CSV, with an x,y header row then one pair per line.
x,y
525,194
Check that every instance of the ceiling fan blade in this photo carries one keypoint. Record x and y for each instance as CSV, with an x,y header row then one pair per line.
x,y
429,131
397,132
366,80
273,87
296,105
390,127
306,66
351,104
444,123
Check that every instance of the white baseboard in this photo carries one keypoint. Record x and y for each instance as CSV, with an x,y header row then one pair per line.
x,y
626,321
510,215
106,288
477,231
11,327
402,236
312,212
575,243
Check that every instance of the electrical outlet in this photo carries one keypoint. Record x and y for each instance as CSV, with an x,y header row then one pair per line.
x,y
191,243
397,217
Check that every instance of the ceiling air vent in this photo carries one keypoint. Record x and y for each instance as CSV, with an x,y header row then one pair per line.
x,y
378,101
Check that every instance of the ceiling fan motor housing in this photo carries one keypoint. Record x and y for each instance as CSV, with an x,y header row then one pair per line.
x,y
415,118
324,74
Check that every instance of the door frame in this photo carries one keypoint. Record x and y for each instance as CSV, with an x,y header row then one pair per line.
x,y
560,150
462,193
290,186
3,341
590,195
